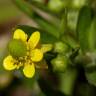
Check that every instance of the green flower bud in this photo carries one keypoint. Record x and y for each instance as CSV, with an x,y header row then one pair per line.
x,y
60,63
17,48
55,5
78,3
60,47
40,1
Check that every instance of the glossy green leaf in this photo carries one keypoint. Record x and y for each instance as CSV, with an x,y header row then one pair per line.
x,y
92,36
84,22
45,37
48,27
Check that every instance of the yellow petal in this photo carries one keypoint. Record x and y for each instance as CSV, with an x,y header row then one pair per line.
x,y
34,39
29,70
46,47
36,55
20,34
8,63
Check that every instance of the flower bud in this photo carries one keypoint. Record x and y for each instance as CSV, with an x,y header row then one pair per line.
x,y
55,5
60,47
60,63
78,3
17,48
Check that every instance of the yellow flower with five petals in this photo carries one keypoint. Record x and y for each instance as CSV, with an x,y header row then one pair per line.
x,y
33,56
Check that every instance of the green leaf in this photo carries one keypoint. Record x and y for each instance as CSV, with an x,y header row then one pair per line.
x,y
48,27
47,22
91,77
92,36
33,10
25,7
72,19
63,23
40,5
45,37
83,25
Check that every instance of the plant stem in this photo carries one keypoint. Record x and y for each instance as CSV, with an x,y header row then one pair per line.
x,y
67,81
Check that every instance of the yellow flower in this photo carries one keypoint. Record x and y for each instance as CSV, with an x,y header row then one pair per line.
x,y
33,56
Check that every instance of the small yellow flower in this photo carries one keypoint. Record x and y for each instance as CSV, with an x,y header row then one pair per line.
x,y
33,56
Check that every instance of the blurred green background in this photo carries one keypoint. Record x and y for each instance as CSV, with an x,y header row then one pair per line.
x,y
8,11
14,83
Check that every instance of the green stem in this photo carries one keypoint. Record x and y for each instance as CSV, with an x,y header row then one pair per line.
x,y
67,81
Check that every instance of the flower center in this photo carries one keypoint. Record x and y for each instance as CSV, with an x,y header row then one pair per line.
x,y
21,61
